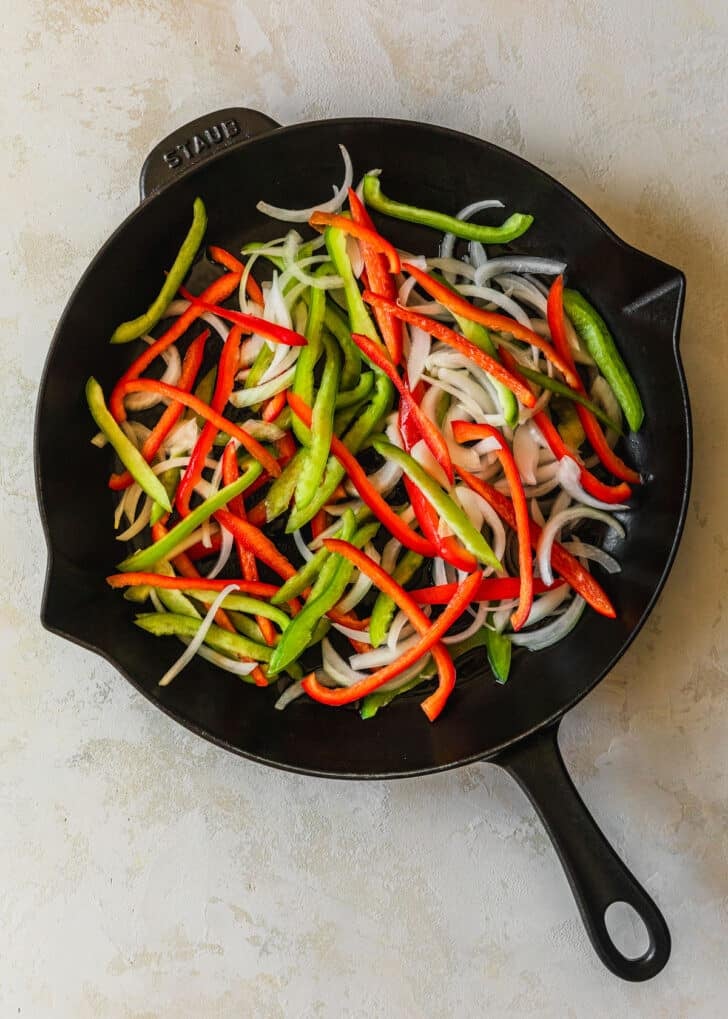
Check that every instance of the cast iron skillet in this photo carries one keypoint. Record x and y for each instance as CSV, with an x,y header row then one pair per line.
x,y
232,159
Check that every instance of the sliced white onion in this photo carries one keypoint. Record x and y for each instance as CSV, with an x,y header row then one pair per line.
x,y
547,603
249,349
584,550
361,586
478,254
478,508
422,453
226,547
601,393
553,632
182,438
256,394
222,661
517,264
138,524
420,344
399,627
569,474
142,401
336,667
383,655
525,453
508,305
304,551
198,638
303,215
452,267
554,525
477,624
448,241
290,694
537,513
521,289
296,270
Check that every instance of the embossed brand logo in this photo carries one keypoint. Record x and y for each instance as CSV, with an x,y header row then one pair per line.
x,y
199,144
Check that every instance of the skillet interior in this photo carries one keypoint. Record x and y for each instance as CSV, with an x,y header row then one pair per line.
x,y
641,300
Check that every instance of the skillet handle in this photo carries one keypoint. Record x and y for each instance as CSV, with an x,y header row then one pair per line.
x,y
596,874
194,142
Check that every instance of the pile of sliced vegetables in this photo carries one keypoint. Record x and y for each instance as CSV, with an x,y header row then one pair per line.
x,y
370,462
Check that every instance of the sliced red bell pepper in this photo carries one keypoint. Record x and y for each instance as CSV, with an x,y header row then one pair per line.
x,y
430,637
274,406
223,257
254,539
379,279
592,429
464,431
492,320
248,565
491,589
319,522
514,382
190,368
362,233
562,561
256,324
257,588
432,435
220,290
200,407
227,369
358,477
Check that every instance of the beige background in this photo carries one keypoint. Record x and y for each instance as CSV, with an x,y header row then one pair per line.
x,y
145,873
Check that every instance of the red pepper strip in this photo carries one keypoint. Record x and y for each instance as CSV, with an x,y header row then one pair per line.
x,y
513,381
595,487
426,428
254,539
448,548
200,551
562,561
358,477
319,523
286,446
190,368
380,280
186,568
256,324
220,290
491,589
257,588
362,233
274,406
348,619
227,369
430,637
257,515
607,457
463,431
200,407
248,566
224,257
491,319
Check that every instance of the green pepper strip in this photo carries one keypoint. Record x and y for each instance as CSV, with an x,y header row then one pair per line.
x,y
514,226
316,456
597,339
479,335
242,603
499,649
384,606
170,480
360,321
371,704
367,422
169,624
557,386
303,380
298,583
147,557
349,397
328,589
137,327
260,366
125,448
280,493
449,510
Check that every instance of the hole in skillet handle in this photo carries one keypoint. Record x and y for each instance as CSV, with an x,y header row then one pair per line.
x,y
196,141
597,876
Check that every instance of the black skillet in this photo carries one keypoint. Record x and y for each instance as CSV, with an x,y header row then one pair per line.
x,y
232,159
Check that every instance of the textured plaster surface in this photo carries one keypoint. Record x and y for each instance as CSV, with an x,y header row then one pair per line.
x,y
144,873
